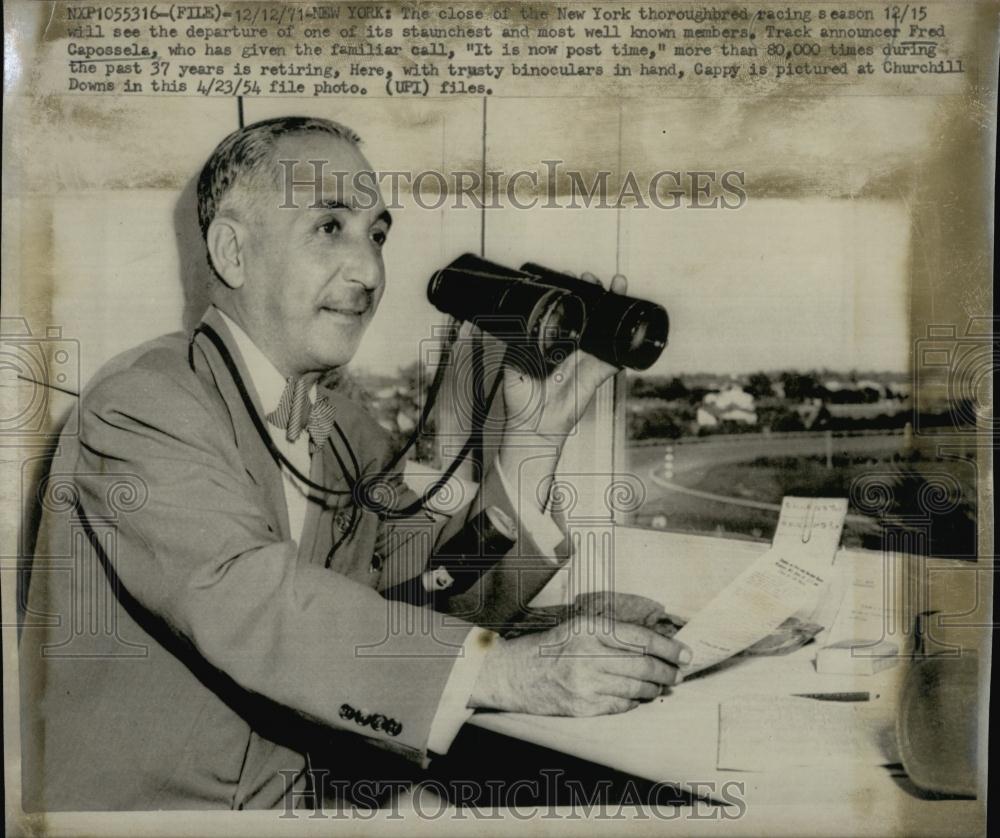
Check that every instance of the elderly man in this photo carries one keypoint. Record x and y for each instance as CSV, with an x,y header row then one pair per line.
x,y
223,612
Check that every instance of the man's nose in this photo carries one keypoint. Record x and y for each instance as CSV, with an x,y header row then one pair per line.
x,y
365,268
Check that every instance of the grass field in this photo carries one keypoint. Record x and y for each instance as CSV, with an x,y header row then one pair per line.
x,y
932,500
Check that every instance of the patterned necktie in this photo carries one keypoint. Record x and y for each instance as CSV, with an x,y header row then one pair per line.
x,y
296,413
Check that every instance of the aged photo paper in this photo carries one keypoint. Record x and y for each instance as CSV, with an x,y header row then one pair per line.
x,y
542,418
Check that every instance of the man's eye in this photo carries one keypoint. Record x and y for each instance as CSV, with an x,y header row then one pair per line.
x,y
331,226
380,237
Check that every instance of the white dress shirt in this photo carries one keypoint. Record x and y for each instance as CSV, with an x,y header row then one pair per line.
x,y
453,710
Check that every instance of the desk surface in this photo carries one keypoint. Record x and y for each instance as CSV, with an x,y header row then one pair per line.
x,y
675,738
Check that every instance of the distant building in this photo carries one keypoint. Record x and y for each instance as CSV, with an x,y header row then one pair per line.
x,y
870,410
738,414
733,404
731,397
706,419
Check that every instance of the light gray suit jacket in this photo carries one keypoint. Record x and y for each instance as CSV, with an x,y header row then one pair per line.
x,y
179,652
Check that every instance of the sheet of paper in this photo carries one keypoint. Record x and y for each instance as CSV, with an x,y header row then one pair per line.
x,y
787,578
762,733
866,610
813,525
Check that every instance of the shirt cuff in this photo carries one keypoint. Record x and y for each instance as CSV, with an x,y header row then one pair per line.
x,y
453,710
540,526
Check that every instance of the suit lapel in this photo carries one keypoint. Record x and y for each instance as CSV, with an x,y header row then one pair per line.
x,y
321,517
261,467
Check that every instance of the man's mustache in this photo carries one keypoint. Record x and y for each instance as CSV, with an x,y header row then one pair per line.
x,y
360,303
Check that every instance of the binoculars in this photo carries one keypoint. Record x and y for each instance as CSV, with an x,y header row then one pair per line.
x,y
546,314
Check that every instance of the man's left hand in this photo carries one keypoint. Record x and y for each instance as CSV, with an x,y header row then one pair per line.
x,y
553,411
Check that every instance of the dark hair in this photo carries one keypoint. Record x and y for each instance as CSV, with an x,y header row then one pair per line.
x,y
245,156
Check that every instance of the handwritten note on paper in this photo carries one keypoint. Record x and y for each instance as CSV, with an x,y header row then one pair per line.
x,y
762,733
811,524
790,576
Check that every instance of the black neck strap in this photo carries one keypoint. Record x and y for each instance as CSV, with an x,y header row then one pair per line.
x,y
357,482
255,417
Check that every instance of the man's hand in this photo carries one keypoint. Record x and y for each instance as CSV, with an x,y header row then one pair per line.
x,y
566,393
583,667
537,421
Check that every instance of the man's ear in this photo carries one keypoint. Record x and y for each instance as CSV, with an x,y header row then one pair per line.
x,y
226,238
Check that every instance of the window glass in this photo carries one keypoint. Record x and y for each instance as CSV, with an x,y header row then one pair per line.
x,y
788,373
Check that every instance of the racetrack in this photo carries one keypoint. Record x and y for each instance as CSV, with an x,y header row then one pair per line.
x,y
678,500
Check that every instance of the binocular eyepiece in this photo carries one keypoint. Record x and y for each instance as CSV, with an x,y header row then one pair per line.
x,y
544,312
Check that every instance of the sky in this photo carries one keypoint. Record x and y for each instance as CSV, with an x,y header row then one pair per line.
x,y
777,284
781,283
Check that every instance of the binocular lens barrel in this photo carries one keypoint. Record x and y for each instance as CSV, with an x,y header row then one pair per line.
x,y
508,305
624,331
538,309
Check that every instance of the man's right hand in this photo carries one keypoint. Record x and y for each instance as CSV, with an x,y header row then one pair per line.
x,y
584,667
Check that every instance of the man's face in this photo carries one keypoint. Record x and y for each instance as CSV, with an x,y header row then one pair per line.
x,y
313,272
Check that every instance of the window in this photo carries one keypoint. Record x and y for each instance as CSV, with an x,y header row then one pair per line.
x,y
789,368
793,366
